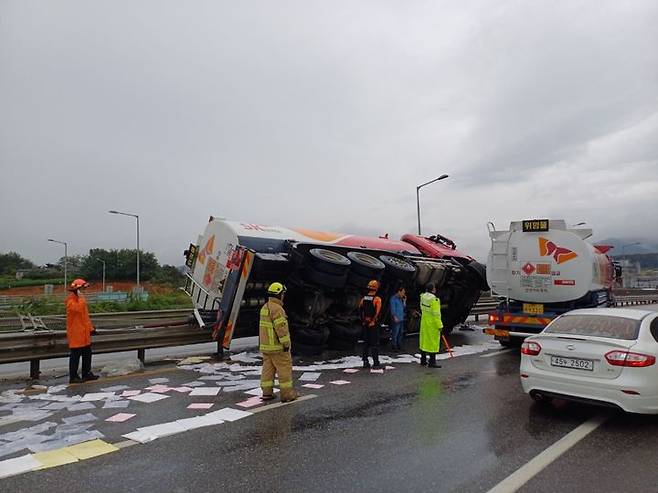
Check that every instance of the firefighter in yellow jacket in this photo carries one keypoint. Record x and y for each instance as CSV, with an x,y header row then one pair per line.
x,y
274,343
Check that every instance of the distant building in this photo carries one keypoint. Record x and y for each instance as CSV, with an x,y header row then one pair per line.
x,y
631,272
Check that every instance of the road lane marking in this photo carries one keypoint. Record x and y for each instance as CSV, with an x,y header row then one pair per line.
x,y
498,353
125,443
525,473
279,404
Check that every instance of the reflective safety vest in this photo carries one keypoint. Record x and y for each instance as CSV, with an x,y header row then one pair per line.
x,y
430,323
274,334
369,308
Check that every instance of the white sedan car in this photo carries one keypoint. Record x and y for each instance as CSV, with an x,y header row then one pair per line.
x,y
604,356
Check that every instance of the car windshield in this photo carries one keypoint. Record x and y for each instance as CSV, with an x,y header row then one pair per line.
x,y
595,325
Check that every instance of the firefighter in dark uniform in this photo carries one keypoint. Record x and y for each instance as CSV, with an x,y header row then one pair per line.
x,y
369,308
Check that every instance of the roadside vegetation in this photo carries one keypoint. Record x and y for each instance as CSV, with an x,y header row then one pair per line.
x,y
54,306
162,282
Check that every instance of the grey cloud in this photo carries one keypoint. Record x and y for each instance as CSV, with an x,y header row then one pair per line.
x,y
322,115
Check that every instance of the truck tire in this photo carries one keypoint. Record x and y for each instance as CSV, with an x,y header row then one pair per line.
x,y
345,331
512,342
324,279
329,262
480,273
366,265
359,281
342,344
310,335
397,268
307,349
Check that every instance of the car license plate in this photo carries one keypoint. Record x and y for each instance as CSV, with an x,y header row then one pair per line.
x,y
533,308
576,363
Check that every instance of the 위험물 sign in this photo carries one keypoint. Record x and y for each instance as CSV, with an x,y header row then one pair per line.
x,y
535,225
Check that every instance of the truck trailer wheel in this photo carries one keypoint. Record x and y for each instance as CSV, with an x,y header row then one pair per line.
x,y
341,344
307,349
345,331
324,279
512,342
397,268
480,273
359,281
329,262
310,335
366,265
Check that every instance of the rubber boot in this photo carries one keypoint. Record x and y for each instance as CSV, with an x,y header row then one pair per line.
x,y
289,395
423,358
366,363
433,361
375,358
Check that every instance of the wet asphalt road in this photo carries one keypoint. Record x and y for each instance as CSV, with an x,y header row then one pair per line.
x,y
462,428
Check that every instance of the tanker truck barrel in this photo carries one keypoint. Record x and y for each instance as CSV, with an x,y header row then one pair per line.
x,y
541,269
234,262
543,261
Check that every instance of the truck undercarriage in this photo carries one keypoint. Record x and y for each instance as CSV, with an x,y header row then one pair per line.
x,y
325,284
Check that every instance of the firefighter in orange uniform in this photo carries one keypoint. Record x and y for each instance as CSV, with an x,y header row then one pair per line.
x,y
78,332
369,309
274,344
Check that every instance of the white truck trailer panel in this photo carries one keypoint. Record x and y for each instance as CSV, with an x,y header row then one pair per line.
x,y
550,266
218,253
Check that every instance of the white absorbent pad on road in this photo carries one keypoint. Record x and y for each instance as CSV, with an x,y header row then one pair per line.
x,y
18,465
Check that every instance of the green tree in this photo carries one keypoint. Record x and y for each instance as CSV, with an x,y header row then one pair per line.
x,y
73,264
169,274
11,261
120,265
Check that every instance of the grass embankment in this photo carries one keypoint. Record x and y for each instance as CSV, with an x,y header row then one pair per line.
x,y
159,301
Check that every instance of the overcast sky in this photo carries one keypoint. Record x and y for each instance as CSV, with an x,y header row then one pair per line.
x,y
324,115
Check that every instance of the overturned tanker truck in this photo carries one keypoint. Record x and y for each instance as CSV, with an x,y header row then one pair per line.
x,y
232,264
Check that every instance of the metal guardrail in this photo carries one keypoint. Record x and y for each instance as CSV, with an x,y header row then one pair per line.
x,y
636,300
103,320
33,346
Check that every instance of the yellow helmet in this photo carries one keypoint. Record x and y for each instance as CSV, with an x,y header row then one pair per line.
x,y
276,288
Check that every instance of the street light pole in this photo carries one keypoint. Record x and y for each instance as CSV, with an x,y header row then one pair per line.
x,y
136,217
66,259
442,177
103,261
